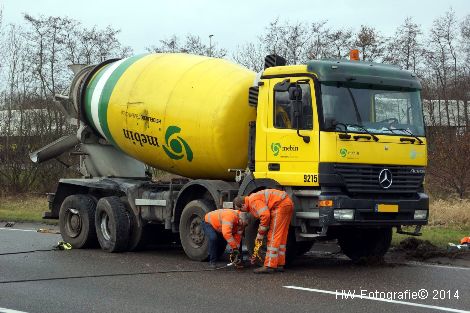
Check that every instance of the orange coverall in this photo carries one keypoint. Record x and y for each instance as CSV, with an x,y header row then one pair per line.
x,y
225,221
274,209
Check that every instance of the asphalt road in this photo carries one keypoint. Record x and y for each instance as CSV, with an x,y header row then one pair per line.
x,y
95,281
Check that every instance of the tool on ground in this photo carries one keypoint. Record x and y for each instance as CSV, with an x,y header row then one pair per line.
x,y
234,257
62,245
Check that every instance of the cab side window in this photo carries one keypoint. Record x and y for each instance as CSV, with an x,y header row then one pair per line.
x,y
284,116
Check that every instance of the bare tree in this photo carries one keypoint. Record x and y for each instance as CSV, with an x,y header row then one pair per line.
x,y
405,48
251,55
34,59
192,44
341,43
370,43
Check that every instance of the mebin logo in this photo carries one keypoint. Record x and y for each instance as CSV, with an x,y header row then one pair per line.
x,y
175,146
276,148
343,152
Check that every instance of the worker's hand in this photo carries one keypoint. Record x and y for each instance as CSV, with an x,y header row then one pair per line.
x,y
259,237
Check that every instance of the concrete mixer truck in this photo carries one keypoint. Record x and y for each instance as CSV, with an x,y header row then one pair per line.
x,y
345,139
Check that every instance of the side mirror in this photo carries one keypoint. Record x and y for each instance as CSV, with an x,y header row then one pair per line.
x,y
295,93
283,86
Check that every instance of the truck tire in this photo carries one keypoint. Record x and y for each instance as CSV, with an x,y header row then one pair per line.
x,y
136,230
77,221
195,243
112,223
365,244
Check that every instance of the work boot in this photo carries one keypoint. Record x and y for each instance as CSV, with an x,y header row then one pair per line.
x,y
280,268
263,270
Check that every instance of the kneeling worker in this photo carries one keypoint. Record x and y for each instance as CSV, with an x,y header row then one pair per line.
x,y
274,209
231,224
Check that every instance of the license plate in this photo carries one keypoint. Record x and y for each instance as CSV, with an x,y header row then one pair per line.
x,y
387,208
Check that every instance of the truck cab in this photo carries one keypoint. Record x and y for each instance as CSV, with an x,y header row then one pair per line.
x,y
347,139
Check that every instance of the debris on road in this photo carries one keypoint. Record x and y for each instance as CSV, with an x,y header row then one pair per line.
x,y
47,231
424,250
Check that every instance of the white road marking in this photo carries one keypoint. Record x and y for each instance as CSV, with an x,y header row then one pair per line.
x,y
4,228
3,310
437,265
335,293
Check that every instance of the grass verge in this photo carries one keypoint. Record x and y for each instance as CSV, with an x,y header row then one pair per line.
x,y
438,236
23,208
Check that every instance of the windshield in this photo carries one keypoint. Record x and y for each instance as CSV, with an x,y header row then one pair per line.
x,y
379,111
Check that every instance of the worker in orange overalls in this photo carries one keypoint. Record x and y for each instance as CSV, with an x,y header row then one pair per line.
x,y
274,209
231,224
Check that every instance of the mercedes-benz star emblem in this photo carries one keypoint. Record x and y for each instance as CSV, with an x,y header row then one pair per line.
x,y
385,178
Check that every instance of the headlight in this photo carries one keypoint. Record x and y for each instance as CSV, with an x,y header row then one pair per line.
x,y
344,214
421,214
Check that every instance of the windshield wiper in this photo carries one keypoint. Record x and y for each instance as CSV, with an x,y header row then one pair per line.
x,y
358,115
393,130
357,126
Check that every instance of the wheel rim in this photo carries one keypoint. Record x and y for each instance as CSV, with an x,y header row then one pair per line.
x,y
196,233
73,224
104,226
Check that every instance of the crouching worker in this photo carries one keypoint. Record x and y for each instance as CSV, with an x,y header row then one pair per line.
x,y
274,209
231,224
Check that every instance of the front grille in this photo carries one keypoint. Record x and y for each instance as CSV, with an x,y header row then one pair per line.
x,y
360,178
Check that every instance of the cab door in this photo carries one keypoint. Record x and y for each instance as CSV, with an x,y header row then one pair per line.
x,y
291,133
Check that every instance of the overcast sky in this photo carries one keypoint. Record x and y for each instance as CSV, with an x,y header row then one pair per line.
x,y
144,22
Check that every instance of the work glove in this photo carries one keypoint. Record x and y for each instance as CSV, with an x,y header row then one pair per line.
x,y
234,256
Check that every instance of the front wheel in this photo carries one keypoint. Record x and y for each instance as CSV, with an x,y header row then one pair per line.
x,y
195,243
366,243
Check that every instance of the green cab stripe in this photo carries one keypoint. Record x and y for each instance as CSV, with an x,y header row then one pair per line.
x,y
108,91
89,93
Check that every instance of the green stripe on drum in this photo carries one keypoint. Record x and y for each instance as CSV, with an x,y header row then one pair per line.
x,y
89,93
108,91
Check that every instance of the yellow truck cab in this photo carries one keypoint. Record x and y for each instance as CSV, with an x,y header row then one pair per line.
x,y
347,139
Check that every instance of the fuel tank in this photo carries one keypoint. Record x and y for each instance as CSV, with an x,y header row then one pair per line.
x,y
181,113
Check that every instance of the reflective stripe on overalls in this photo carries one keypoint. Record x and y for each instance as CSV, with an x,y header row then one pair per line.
x,y
281,213
217,221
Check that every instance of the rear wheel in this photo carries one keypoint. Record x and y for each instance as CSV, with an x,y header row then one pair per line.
x,y
136,231
193,239
77,221
112,224
365,244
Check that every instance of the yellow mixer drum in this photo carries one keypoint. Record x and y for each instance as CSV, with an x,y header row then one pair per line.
x,y
182,113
